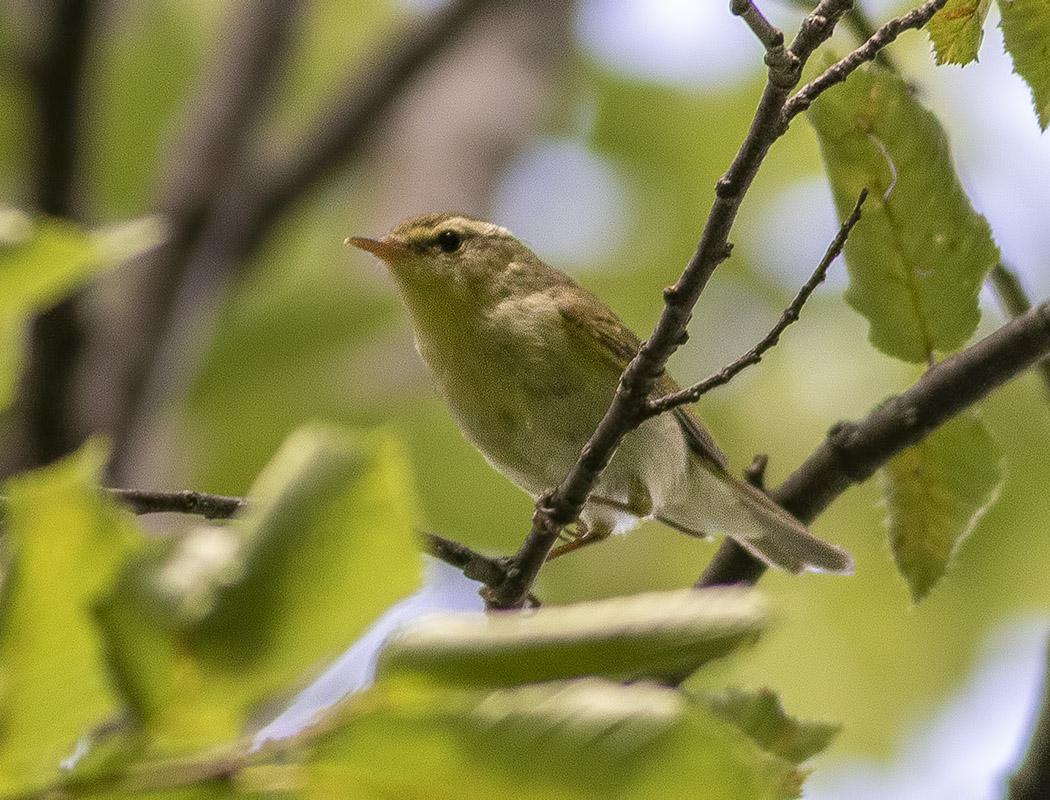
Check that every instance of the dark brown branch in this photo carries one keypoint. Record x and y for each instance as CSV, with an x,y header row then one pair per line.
x,y
1031,781
559,508
790,315
250,199
1014,300
778,58
853,451
839,71
476,566
56,338
209,506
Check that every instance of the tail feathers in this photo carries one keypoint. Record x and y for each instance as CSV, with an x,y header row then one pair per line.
x,y
765,529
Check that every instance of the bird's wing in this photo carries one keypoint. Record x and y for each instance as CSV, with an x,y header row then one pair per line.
x,y
614,342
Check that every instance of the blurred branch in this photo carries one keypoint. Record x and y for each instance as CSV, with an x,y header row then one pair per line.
x,y
234,97
555,510
840,70
1014,300
853,451
247,203
209,506
790,315
1031,781
475,566
56,338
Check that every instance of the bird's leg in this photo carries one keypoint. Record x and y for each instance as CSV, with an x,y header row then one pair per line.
x,y
583,536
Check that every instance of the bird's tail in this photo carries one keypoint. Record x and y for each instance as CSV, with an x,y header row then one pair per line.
x,y
737,509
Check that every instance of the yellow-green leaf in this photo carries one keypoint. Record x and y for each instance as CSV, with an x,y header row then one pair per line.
x,y
936,492
66,544
760,715
957,30
1026,34
653,635
918,257
563,740
230,617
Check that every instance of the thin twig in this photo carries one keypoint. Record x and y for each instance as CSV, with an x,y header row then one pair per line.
x,y
840,70
1014,300
781,62
476,566
854,451
209,506
554,510
790,315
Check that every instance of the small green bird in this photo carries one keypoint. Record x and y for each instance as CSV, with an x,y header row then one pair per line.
x,y
528,361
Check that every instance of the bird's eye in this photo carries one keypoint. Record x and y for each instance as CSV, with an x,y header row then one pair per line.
x,y
449,241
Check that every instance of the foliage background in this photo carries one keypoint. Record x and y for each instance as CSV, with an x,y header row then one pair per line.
x,y
605,164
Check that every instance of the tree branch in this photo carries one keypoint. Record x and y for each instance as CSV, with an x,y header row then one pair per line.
x,y
56,337
234,97
790,315
560,507
839,71
853,451
1015,302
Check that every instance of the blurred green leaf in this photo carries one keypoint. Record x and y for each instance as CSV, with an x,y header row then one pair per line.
x,y
760,715
957,29
919,256
936,492
65,544
232,616
42,261
578,739
1026,34
651,635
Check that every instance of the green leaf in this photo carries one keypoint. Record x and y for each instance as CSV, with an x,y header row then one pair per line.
x,y
576,739
760,715
66,543
936,491
957,30
920,254
42,261
203,634
647,635
1026,34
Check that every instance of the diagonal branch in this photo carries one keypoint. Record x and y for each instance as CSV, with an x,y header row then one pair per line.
x,y
854,451
839,71
560,507
1015,302
790,315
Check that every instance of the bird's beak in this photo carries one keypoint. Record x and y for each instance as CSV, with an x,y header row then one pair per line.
x,y
385,248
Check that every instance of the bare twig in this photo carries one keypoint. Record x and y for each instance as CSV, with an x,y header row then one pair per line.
x,y
853,451
1014,300
559,508
790,315
57,335
840,70
1031,781
781,62
490,571
209,506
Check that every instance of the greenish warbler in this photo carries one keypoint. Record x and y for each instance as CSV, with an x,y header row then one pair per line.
x,y
528,361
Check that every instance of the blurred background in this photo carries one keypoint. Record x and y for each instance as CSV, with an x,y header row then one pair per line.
x,y
268,131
